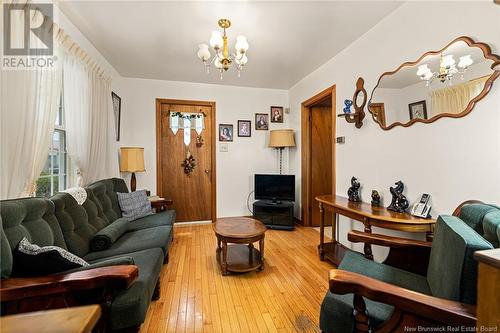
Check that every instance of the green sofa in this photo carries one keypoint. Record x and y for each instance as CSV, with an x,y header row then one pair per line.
x,y
62,222
451,275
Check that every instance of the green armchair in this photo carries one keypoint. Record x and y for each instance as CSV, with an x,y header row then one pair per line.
x,y
366,296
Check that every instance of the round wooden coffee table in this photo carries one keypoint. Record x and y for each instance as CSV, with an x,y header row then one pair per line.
x,y
241,232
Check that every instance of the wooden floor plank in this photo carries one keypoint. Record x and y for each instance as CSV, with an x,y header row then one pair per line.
x,y
284,297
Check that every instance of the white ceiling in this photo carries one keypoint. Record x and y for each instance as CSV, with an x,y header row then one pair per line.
x,y
159,40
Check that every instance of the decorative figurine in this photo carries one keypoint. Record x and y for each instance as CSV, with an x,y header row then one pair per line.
x,y
375,198
353,191
399,202
348,104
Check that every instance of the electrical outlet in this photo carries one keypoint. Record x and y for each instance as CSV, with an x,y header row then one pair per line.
x,y
341,140
223,147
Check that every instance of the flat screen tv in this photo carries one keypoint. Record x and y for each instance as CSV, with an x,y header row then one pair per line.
x,y
275,187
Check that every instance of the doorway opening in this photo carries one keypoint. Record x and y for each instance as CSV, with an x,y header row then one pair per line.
x,y
318,123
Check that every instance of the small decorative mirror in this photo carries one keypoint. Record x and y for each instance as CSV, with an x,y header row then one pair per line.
x,y
444,83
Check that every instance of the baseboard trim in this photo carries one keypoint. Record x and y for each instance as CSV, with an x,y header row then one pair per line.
x,y
180,224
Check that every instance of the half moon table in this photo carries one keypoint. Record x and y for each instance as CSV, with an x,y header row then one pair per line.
x,y
241,232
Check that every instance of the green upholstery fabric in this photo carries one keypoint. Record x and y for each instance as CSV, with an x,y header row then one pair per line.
x,y
491,227
32,218
473,215
124,260
74,223
105,237
155,220
452,272
158,237
130,306
5,254
94,212
336,310
105,195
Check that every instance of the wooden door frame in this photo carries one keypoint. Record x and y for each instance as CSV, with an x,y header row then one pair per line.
x,y
211,127
307,204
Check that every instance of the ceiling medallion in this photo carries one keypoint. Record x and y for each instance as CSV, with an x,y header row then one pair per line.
x,y
222,59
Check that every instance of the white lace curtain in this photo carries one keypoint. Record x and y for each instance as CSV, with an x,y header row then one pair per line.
x,y
456,98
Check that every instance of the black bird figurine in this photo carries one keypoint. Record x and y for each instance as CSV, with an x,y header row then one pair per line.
x,y
353,192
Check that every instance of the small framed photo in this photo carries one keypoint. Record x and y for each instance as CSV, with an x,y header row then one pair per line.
x,y
276,114
244,128
261,121
225,132
117,109
418,110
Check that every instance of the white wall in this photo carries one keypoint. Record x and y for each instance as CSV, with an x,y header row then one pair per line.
x,y
452,159
235,168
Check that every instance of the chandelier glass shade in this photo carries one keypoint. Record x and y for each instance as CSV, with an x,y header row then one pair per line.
x,y
223,59
448,68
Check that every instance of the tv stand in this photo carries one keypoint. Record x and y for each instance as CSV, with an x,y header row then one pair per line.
x,y
274,214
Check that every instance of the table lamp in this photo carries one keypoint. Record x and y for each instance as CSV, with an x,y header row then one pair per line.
x,y
280,139
132,160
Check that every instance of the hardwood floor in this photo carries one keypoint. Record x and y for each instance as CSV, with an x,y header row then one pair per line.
x,y
284,297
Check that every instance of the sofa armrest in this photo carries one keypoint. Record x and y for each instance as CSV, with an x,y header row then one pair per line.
x,y
115,277
103,263
436,309
384,240
457,210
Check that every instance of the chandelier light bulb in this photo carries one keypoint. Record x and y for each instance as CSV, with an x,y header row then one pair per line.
x,y
218,63
448,61
428,75
241,60
423,69
203,52
241,45
216,40
465,61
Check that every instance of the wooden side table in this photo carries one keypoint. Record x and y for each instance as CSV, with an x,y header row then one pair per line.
x,y
242,232
160,205
80,319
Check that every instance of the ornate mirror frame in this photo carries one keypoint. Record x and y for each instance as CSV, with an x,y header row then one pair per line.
x,y
485,48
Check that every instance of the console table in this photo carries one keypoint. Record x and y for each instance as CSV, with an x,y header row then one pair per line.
x,y
369,216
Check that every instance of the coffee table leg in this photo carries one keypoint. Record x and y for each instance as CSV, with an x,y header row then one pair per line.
x,y
261,248
224,258
218,244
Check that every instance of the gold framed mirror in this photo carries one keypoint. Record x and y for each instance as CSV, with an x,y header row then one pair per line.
x,y
444,83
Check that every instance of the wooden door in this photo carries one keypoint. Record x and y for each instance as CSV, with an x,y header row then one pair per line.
x,y
193,194
321,156
378,110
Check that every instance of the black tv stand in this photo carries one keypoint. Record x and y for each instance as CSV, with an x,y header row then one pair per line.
x,y
274,214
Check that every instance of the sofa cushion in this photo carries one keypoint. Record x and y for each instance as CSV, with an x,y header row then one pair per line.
x,y
105,196
130,306
158,237
105,237
162,218
5,254
452,272
134,205
74,223
473,215
491,227
336,310
33,260
94,212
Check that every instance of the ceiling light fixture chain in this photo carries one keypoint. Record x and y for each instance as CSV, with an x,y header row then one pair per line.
x,y
222,59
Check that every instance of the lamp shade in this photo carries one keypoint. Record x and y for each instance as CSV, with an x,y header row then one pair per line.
x,y
132,159
281,138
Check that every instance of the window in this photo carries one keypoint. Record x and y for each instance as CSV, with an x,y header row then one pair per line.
x,y
53,176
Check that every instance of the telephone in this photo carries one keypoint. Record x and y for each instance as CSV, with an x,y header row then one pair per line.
x,y
422,208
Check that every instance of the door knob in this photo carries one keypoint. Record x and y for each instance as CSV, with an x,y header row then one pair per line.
x,y
207,171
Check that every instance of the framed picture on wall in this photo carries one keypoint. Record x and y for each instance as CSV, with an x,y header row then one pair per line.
x,y
276,114
117,109
261,121
244,128
418,110
225,132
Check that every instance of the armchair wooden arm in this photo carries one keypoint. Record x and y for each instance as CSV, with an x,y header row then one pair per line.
x,y
410,306
116,277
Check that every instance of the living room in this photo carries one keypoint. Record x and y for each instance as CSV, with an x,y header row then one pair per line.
x,y
233,166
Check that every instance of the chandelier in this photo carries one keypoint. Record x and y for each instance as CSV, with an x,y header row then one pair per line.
x,y
447,69
222,59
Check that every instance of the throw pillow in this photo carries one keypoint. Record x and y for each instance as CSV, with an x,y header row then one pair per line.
x,y
33,260
134,205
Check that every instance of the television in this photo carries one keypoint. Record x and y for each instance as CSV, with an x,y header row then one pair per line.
x,y
275,187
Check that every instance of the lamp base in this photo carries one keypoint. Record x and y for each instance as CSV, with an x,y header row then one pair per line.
x,y
132,182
